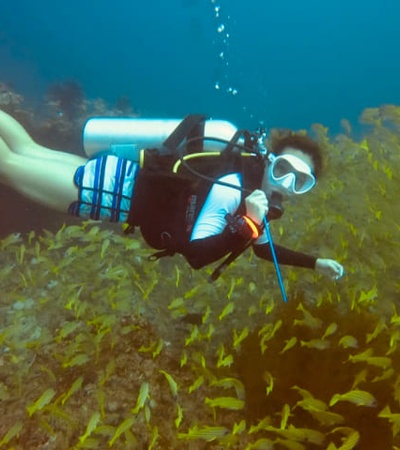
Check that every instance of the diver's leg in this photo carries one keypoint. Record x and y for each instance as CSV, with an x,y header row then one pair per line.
x,y
19,141
47,182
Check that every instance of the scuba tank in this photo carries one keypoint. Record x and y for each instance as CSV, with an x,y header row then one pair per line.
x,y
127,137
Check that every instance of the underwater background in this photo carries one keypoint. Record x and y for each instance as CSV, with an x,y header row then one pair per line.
x,y
101,348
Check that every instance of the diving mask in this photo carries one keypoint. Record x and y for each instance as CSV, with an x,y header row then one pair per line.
x,y
291,174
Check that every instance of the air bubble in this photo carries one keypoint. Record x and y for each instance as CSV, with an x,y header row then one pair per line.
x,y
222,44
232,91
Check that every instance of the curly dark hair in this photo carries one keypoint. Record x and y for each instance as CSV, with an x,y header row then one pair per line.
x,y
280,140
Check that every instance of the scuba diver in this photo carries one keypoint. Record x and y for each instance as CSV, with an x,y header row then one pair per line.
x,y
198,187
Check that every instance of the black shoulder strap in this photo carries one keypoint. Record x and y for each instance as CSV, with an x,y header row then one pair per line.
x,y
253,167
192,126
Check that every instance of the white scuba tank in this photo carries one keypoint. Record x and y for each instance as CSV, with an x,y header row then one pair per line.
x,y
126,137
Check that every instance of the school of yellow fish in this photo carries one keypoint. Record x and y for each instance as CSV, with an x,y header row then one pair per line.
x,y
101,348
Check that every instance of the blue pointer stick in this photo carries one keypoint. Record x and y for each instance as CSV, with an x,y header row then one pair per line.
x,y
277,270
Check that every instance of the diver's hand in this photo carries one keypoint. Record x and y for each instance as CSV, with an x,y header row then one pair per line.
x,y
330,268
256,206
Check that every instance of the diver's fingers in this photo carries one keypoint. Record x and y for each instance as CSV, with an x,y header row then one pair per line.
x,y
256,206
330,268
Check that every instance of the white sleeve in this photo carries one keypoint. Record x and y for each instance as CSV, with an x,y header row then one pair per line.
x,y
220,201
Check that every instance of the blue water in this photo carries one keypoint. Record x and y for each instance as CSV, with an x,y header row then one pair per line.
x,y
292,63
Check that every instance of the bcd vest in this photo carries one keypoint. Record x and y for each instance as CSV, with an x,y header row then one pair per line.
x,y
166,203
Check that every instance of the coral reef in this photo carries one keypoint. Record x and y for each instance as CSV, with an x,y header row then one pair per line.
x,y
102,348
58,120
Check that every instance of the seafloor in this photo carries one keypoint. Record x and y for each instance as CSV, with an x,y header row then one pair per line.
x,y
102,348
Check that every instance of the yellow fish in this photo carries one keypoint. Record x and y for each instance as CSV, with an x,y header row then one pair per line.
x,y
229,308
348,443
331,329
396,389
384,376
157,350
289,344
395,319
309,402
94,420
154,438
238,338
206,314
312,404
268,332
285,416
360,378
106,374
308,320
41,402
327,418
317,344
289,444
300,434
173,385
142,397
394,418
369,296
269,379
381,325
394,340
184,359
196,384
263,443
225,403
194,335
76,385
206,433
179,417
104,247
356,396
77,360
67,329
176,303
238,428
348,341
11,433
252,287
230,382
178,275
223,359
262,425
123,427
379,361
